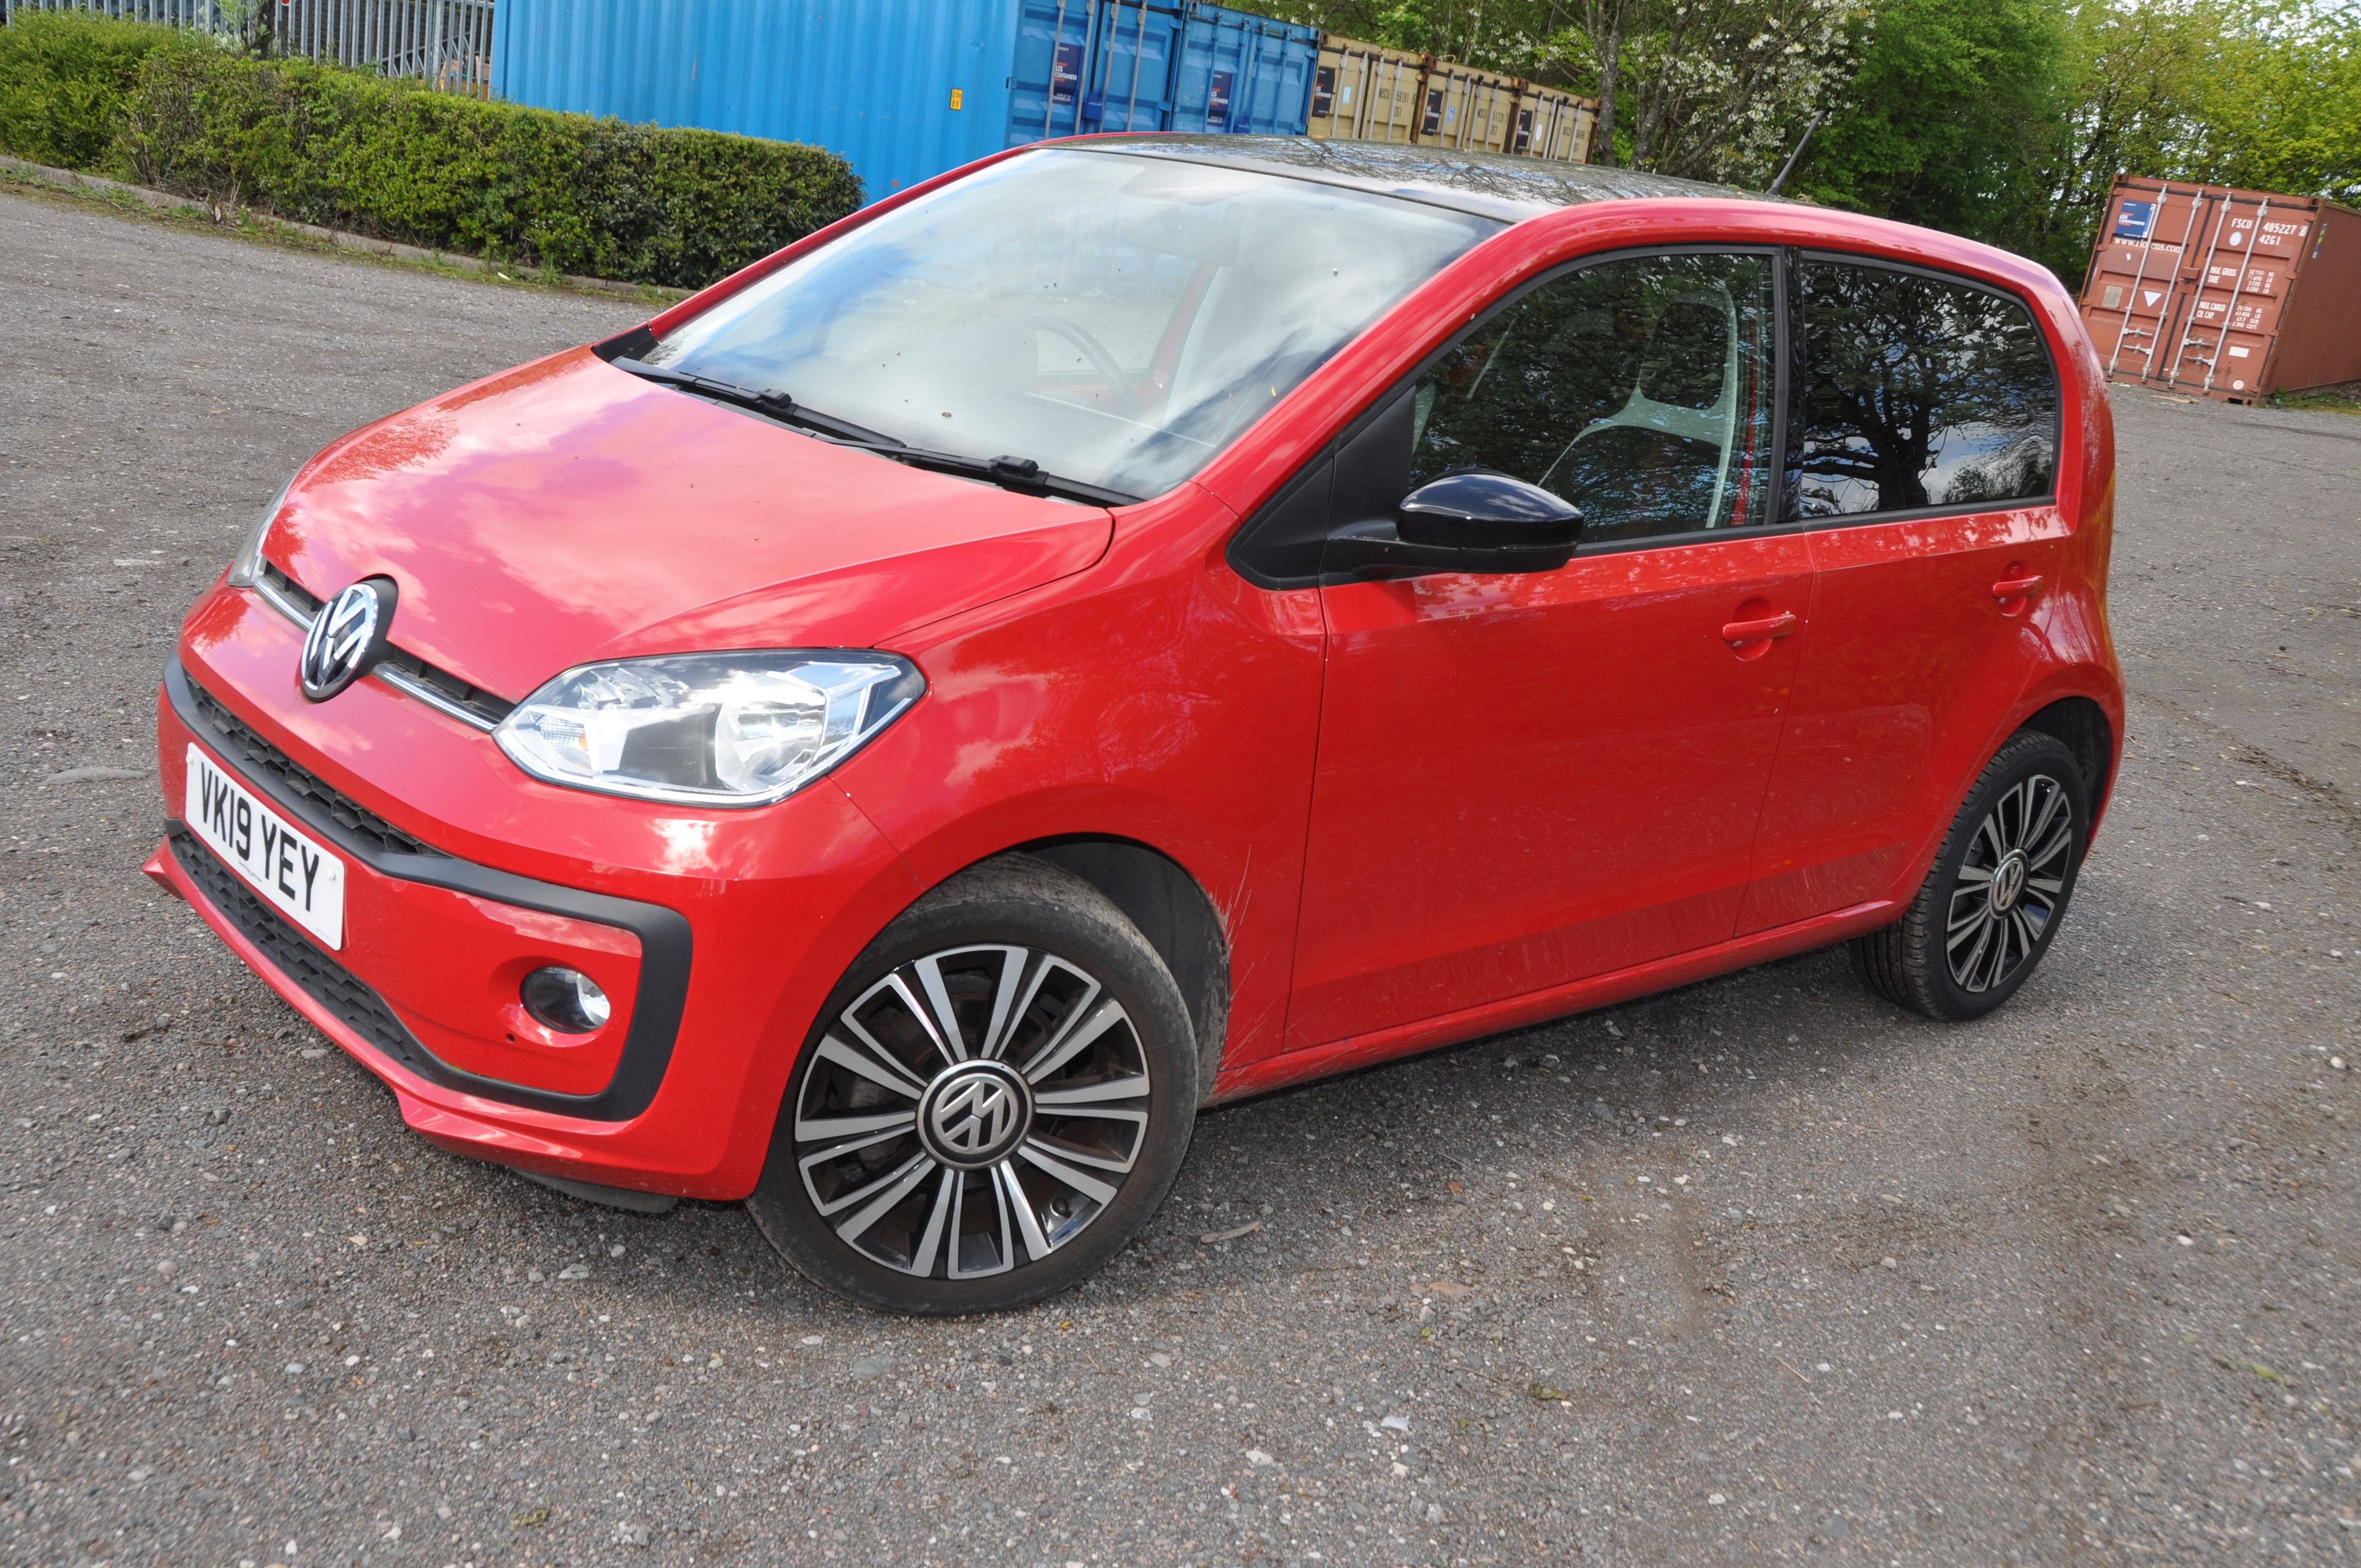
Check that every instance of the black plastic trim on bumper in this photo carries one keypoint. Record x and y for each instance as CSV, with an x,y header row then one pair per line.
x,y
666,945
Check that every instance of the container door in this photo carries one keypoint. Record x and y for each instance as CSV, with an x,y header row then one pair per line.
x,y
1438,108
1206,47
1278,90
2151,242
1241,73
2234,310
1356,87
1053,40
1560,119
1394,84
1327,87
1488,132
1131,73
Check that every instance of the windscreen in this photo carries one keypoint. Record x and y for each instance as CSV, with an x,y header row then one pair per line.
x,y
1116,319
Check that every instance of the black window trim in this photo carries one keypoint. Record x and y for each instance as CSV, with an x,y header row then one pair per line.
x,y
1798,255
1785,259
1403,384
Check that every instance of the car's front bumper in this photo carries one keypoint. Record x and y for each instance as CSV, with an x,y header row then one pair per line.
x,y
718,934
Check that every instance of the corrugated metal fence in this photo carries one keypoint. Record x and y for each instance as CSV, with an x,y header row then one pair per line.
x,y
447,43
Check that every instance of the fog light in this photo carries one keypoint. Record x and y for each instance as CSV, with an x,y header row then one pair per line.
x,y
565,1000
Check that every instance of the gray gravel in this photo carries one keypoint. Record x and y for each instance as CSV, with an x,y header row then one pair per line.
x,y
1761,1269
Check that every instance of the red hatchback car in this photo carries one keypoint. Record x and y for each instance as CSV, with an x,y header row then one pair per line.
x,y
1134,623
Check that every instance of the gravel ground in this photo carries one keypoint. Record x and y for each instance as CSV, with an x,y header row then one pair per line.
x,y
1759,1268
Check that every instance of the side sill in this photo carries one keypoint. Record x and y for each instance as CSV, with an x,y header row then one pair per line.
x,y
1517,1012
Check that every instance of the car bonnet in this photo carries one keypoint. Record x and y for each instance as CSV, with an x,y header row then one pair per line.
x,y
566,512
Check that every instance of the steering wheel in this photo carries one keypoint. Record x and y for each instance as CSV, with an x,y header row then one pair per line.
x,y
1096,353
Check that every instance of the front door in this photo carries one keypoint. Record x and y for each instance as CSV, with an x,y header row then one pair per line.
x,y
1526,780
1923,442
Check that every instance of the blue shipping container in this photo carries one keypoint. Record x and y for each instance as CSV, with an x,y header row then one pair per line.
x,y
906,89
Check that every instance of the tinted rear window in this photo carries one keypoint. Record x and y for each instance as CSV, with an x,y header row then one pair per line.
x,y
1910,392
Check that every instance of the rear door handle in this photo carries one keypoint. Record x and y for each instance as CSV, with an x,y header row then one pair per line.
x,y
1738,633
2024,587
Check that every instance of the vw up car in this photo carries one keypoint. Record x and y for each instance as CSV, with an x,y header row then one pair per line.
x,y
1138,622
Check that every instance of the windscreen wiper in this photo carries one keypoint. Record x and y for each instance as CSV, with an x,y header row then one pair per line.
x,y
778,405
1021,474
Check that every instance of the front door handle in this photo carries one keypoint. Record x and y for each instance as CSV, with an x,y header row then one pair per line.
x,y
2024,587
1737,633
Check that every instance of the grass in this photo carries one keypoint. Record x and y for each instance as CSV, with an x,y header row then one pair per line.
x,y
2344,398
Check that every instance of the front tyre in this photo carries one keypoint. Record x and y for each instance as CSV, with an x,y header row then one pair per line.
x,y
1990,905
995,1098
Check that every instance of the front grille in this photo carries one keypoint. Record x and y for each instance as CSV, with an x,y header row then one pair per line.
x,y
323,979
488,706
243,743
295,593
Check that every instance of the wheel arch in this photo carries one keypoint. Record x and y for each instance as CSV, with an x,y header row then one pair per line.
x,y
2082,726
1172,910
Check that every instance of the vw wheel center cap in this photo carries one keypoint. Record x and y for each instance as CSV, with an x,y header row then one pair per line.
x,y
346,636
974,1114
2007,882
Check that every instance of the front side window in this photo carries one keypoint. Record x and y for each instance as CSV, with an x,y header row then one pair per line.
x,y
1117,319
1911,391
1638,388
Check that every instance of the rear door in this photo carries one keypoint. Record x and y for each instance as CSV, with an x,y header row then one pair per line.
x,y
1923,448
1526,780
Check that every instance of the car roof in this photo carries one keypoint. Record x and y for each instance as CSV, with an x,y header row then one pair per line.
x,y
1490,183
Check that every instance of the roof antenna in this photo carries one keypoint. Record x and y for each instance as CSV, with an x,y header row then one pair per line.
x,y
1800,141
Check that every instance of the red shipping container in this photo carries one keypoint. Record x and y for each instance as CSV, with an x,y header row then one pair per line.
x,y
2235,294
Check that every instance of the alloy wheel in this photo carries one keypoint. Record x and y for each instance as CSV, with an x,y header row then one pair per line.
x,y
2010,883
972,1112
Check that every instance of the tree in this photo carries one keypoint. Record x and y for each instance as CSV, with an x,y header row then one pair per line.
x,y
1952,119
2260,93
1702,88
2004,120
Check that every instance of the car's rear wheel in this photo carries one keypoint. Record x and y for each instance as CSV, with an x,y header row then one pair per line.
x,y
1990,905
995,1100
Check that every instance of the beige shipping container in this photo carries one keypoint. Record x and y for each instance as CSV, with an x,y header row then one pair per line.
x,y
1362,92
1553,124
1466,109
1365,92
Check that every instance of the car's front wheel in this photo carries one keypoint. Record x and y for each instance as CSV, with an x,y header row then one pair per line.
x,y
995,1100
1991,905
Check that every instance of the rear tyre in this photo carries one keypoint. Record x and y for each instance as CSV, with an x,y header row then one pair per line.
x,y
1990,905
995,1100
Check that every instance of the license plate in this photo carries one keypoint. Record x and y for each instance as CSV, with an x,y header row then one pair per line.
x,y
305,882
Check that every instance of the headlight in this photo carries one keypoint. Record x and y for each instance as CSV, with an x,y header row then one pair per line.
x,y
708,729
246,569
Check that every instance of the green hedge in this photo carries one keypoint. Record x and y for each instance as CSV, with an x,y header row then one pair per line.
x,y
397,160
64,76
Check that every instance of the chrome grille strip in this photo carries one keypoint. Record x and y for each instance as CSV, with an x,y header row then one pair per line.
x,y
410,686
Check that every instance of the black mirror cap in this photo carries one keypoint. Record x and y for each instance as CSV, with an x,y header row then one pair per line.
x,y
1487,510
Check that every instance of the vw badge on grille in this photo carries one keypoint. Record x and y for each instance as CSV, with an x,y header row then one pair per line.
x,y
346,636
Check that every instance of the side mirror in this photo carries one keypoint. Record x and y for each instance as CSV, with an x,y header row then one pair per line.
x,y
1478,522
1486,511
